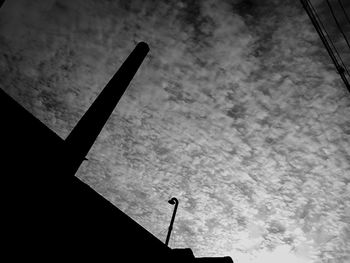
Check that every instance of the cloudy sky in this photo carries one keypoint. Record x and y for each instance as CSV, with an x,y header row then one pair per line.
x,y
237,111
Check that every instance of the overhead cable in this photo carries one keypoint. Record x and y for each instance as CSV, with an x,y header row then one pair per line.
x,y
310,12
345,14
330,40
337,22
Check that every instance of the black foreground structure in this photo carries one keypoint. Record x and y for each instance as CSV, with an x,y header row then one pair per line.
x,y
47,213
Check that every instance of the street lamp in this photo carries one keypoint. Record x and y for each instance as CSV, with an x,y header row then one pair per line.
x,y
172,201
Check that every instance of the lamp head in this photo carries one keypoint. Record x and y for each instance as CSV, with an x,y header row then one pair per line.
x,y
172,201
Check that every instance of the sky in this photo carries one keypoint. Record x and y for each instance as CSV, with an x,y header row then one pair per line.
x,y
237,111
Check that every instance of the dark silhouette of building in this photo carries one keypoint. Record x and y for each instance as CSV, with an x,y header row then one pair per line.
x,y
47,213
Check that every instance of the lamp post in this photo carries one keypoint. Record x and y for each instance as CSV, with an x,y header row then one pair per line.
x,y
172,201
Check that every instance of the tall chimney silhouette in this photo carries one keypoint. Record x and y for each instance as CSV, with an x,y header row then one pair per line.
x,y
82,137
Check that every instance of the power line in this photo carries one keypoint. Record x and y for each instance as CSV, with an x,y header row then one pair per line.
x,y
342,7
306,4
320,28
336,21
330,40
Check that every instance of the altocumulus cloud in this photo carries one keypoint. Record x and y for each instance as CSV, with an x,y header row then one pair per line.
x,y
237,111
